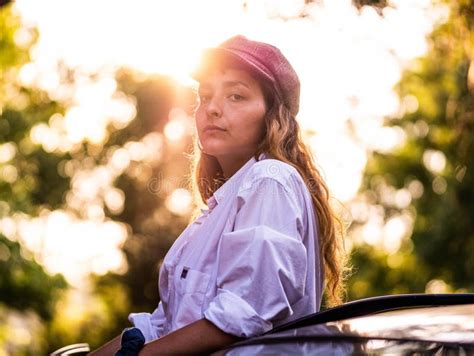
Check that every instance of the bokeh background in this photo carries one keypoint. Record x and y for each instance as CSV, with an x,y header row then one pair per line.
x,y
96,129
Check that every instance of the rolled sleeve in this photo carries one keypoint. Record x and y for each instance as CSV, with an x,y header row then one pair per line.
x,y
224,309
262,263
151,325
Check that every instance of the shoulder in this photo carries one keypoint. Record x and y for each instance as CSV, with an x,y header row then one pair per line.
x,y
272,170
273,187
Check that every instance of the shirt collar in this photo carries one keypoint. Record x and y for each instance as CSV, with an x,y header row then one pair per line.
x,y
233,183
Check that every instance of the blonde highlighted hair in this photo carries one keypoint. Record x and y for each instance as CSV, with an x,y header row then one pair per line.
x,y
282,140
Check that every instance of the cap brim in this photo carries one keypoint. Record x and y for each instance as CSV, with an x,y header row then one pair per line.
x,y
214,57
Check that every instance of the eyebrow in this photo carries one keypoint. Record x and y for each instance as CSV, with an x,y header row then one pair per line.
x,y
230,83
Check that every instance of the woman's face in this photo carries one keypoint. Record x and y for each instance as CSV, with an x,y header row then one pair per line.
x,y
230,116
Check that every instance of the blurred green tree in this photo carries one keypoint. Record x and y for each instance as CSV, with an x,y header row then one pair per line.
x,y
23,282
428,181
29,184
29,180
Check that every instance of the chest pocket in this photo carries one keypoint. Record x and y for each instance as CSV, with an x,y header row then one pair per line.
x,y
191,281
191,286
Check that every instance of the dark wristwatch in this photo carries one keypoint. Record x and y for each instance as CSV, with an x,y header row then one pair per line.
x,y
132,342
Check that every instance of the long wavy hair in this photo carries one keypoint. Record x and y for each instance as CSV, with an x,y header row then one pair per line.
x,y
282,140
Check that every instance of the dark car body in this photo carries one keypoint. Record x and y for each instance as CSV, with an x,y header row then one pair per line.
x,y
413,324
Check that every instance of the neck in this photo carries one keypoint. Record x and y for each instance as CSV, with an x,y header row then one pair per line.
x,y
231,164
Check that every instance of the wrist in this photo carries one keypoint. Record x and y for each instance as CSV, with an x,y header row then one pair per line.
x,y
132,341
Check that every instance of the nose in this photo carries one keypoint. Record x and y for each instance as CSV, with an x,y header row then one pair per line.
x,y
213,107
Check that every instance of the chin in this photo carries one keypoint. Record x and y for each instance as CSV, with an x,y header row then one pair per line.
x,y
212,147
212,152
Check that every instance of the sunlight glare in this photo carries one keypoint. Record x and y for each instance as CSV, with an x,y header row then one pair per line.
x,y
337,167
7,152
175,130
179,201
65,244
434,161
394,231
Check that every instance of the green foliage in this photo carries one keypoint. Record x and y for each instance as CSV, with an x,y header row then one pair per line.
x,y
32,181
377,273
100,315
443,232
10,55
38,182
24,284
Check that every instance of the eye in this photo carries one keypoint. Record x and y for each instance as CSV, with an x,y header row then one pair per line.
x,y
236,97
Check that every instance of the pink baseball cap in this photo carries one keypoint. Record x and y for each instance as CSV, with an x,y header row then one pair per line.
x,y
262,58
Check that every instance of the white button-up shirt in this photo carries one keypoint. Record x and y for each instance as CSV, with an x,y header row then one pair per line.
x,y
249,263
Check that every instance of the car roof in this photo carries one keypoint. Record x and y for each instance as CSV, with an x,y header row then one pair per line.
x,y
388,324
368,306
454,323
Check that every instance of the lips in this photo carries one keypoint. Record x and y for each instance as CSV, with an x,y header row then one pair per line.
x,y
213,128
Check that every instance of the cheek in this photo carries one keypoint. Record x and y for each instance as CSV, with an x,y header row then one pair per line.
x,y
253,123
199,120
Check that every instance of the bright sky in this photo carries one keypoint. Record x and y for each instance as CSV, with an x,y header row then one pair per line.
x,y
348,63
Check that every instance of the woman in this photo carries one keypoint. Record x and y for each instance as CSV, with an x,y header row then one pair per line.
x,y
260,254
